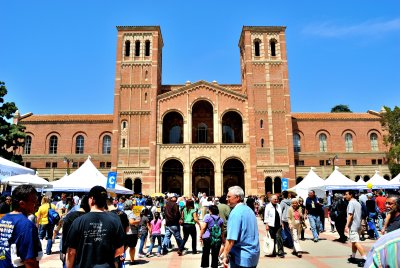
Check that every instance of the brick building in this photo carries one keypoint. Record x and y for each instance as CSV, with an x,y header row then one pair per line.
x,y
205,136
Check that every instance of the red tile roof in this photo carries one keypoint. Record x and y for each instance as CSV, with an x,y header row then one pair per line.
x,y
104,118
335,116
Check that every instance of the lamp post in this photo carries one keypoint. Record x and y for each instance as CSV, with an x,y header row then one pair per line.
x,y
332,160
67,160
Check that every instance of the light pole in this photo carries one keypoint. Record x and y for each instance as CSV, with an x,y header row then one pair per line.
x,y
332,160
67,160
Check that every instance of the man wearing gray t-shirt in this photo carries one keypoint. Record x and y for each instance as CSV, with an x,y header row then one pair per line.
x,y
353,227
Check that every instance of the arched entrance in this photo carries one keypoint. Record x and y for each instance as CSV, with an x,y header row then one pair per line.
x,y
299,179
366,178
268,185
172,177
203,177
357,178
386,177
277,185
128,183
233,174
202,122
137,186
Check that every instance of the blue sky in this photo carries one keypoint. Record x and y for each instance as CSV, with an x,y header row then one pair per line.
x,y
58,57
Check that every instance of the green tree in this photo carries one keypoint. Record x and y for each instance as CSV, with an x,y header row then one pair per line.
x,y
11,135
341,108
391,124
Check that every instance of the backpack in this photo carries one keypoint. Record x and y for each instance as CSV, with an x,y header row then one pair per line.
x,y
150,215
53,216
215,233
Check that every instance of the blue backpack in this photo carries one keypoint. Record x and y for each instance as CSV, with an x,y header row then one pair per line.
x,y
54,217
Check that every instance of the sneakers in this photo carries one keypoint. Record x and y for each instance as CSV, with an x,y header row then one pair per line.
x,y
179,253
148,255
315,240
352,260
361,263
141,255
158,255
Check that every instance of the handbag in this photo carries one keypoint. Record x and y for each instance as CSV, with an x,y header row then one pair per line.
x,y
268,244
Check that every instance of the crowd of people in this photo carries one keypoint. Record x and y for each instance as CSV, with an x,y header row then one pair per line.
x,y
97,230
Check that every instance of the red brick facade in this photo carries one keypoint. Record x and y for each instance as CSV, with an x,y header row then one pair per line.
x,y
204,136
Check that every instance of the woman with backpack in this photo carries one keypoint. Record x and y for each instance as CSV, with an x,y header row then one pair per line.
x,y
143,230
211,237
45,227
189,220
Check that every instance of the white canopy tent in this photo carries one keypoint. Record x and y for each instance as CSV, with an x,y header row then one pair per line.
x,y
30,179
9,168
395,182
378,182
83,179
361,182
310,182
338,181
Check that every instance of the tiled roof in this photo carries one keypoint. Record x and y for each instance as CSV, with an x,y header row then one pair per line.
x,y
335,116
104,118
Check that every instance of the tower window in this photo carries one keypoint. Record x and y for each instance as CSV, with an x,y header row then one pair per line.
x,y
261,123
127,48
145,97
257,48
123,143
262,142
273,48
137,48
147,48
124,125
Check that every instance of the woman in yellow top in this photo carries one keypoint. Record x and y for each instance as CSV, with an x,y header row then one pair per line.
x,y
45,228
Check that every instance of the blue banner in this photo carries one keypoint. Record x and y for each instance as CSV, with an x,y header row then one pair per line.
x,y
285,184
111,180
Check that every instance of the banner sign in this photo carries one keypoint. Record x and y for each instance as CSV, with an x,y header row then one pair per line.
x,y
285,184
111,180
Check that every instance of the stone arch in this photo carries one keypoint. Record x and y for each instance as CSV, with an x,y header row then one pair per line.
x,y
137,186
366,178
233,174
172,176
299,179
268,185
172,128
232,127
203,176
128,183
357,178
202,122
277,185
386,177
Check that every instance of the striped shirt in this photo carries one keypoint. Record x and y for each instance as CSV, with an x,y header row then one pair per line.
x,y
385,252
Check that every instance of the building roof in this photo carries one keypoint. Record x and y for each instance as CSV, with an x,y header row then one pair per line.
x,y
68,118
335,116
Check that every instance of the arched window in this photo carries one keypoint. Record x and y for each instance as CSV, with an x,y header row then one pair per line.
x,y
80,144
277,185
53,144
296,143
137,48
27,146
374,142
124,125
348,141
257,48
106,144
232,128
127,48
261,123
123,143
272,44
147,48
145,97
323,144
262,142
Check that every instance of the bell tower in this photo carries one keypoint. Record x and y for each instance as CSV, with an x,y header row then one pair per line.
x,y
137,84
264,71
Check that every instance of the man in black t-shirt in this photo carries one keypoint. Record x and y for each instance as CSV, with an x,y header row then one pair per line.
x,y
96,237
313,211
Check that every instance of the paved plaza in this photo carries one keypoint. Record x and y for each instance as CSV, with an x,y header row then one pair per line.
x,y
325,253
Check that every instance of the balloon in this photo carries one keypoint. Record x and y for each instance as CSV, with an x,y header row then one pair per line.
x,y
369,185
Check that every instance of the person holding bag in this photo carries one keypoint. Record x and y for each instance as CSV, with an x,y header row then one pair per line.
x,y
274,225
296,219
43,223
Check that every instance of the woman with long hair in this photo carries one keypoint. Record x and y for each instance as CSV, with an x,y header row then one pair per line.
x,y
155,231
189,220
295,219
45,227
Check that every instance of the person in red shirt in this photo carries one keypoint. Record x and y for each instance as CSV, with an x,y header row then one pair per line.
x,y
380,202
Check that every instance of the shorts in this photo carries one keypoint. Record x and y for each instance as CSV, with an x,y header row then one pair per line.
x,y
354,236
131,240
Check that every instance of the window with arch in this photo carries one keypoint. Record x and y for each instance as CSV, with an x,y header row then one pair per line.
x,y
296,143
257,48
272,45
124,124
106,144
27,145
80,144
323,143
137,48
202,133
261,123
147,48
262,142
127,48
374,142
53,143
123,143
348,141
232,128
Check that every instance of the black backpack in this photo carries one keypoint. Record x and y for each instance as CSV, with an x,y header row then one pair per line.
x,y
150,215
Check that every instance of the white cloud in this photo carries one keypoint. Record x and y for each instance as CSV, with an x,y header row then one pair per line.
x,y
368,28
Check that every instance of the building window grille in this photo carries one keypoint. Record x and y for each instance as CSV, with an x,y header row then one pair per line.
x,y
257,48
137,48
53,145
102,164
27,146
147,48
273,48
348,141
374,142
80,144
54,165
323,144
322,162
106,144
296,143
379,161
127,48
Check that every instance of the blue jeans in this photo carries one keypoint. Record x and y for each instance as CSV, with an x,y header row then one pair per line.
x,y
174,230
381,218
46,230
142,240
153,240
315,225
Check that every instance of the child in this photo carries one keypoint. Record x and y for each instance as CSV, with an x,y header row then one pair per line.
x,y
143,230
155,231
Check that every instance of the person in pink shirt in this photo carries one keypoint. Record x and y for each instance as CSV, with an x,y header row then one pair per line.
x,y
155,230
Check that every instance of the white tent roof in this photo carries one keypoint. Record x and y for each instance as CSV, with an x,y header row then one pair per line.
x,y
30,179
310,182
361,182
338,181
395,181
9,168
378,182
83,179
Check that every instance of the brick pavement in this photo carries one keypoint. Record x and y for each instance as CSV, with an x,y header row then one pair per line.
x,y
325,253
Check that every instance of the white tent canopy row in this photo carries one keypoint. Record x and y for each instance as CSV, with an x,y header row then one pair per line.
x,y
310,180
9,168
83,179
30,179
